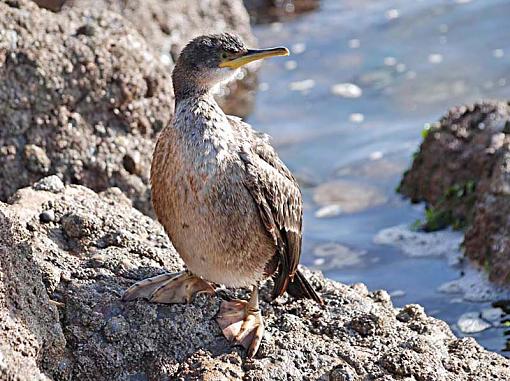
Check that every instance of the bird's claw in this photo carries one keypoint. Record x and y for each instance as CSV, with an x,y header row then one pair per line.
x,y
241,324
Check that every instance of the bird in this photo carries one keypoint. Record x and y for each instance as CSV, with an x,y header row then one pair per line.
x,y
231,208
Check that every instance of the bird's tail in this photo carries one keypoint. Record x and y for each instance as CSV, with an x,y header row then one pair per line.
x,y
300,288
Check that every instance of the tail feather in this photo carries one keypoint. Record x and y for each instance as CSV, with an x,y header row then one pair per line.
x,y
299,287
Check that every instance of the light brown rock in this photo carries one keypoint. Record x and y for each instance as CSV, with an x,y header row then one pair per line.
x,y
60,287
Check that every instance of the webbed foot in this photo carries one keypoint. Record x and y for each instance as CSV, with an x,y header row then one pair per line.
x,y
242,322
168,288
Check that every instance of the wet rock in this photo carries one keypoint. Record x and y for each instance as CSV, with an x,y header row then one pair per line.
x,y
474,286
381,169
492,315
84,92
349,196
470,322
328,211
462,172
71,323
420,244
331,256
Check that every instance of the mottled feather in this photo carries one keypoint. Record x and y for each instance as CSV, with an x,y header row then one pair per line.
x,y
278,197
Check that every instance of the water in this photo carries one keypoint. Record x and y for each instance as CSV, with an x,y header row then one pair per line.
x,y
412,61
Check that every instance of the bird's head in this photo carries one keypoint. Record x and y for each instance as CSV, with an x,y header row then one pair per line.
x,y
209,60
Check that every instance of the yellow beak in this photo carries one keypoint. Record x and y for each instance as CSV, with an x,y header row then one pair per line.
x,y
254,55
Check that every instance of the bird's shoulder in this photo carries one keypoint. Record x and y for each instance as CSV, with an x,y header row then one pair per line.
x,y
268,179
256,147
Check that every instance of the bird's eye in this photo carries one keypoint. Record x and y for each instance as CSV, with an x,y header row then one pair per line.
x,y
224,55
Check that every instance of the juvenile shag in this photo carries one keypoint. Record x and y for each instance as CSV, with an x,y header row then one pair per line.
x,y
231,208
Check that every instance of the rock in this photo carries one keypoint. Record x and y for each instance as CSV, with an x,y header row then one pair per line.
x,y
492,315
304,86
84,95
61,316
168,26
462,172
349,196
36,159
52,5
336,256
419,244
381,169
47,216
50,184
265,11
75,103
473,285
470,322
328,211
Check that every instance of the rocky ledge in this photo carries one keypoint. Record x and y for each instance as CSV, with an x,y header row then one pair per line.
x,y
67,253
462,172
84,92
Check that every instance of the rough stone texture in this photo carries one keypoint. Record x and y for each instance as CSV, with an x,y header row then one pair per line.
x,y
168,25
462,170
60,283
83,95
264,11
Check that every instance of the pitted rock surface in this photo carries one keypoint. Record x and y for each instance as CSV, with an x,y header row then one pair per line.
x,y
60,287
85,91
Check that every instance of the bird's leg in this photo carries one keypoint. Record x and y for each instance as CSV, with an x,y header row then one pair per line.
x,y
168,288
242,322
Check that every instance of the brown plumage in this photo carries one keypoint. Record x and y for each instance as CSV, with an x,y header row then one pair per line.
x,y
228,203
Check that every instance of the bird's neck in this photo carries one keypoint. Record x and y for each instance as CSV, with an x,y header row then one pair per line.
x,y
199,113
190,90
188,84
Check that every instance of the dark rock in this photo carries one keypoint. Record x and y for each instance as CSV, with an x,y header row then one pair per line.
x,y
47,216
462,171
265,11
61,314
131,163
343,372
52,5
